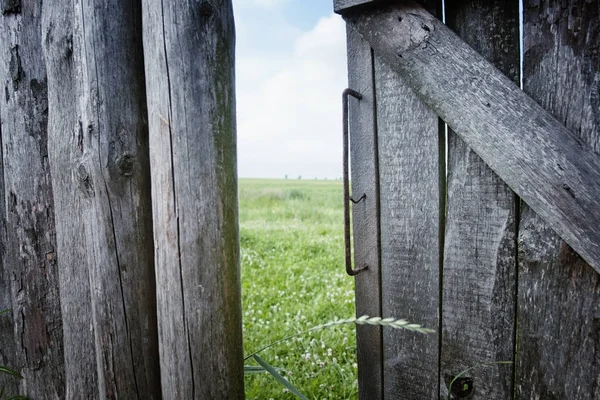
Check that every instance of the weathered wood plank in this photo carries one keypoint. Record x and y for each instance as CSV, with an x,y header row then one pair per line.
x,y
531,151
7,331
410,185
76,307
559,294
365,215
30,256
98,152
407,132
479,291
342,5
189,60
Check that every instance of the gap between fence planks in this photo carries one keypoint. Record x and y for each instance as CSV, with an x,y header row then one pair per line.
x,y
549,168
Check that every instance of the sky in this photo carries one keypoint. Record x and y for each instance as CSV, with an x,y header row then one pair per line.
x,y
290,74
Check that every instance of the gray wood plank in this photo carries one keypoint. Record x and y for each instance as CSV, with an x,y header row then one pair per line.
x,y
407,134
7,331
559,294
343,5
30,251
76,305
530,150
98,153
365,215
189,60
479,289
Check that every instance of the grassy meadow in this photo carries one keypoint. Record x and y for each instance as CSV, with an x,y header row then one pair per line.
x,y
293,278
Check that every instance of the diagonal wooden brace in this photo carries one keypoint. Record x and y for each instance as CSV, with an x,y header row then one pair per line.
x,y
556,174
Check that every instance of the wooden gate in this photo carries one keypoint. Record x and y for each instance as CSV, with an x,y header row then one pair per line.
x,y
445,240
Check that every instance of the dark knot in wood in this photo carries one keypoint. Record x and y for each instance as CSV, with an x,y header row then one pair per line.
x,y
11,7
84,181
569,190
206,9
125,165
68,46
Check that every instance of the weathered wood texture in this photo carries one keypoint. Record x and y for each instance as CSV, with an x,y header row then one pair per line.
x,y
409,187
406,139
559,294
342,5
189,59
29,258
365,215
548,167
479,291
98,152
7,331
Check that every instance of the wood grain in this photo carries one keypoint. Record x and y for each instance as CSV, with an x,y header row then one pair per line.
x,y
479,294
530,150
98,153
559,293
189,61
342,5
7,332
365,215
30,258
410,217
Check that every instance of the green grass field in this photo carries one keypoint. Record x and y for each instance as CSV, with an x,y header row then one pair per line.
x,y
293,278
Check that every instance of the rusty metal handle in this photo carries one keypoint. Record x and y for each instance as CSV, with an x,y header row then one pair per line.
x,y
347,199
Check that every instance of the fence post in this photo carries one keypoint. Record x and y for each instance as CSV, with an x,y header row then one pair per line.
x,y
29,256
98,153
7,330
189,59
559,320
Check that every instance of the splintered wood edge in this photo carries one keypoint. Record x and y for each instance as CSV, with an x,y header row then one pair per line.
x,y
339,6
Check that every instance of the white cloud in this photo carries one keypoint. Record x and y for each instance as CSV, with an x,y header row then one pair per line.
x,y
289,110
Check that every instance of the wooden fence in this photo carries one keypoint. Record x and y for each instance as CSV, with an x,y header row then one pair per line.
x,y
120,286
119,253
447,242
